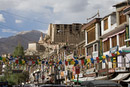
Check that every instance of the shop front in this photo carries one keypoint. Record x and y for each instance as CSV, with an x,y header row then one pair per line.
x,y
90,73
103,72
111,71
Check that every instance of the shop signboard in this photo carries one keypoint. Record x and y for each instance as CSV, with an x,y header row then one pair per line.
x,y
90,75
127,35
69,56
120,69
103,71
111,70
89,71
100,47
80,75
114,49
95,54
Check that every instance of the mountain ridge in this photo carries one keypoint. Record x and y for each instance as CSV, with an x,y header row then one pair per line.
x,y
7,45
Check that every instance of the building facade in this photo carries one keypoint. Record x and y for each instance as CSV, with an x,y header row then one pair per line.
x,y
62,33
92,33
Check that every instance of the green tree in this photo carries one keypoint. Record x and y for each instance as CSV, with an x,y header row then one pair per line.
x,y
15,78
19,51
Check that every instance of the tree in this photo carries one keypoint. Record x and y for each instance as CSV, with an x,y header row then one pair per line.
x,y
15,78
19,51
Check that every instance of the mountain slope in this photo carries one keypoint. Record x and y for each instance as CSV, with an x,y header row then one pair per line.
x,y
7,45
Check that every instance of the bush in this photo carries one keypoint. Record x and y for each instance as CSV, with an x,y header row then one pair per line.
x,y
15,78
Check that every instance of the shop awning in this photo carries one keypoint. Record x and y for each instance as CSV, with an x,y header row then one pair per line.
x,y
91,70
83,79
76,81
101,78
89,78
121,76
128,80
126,49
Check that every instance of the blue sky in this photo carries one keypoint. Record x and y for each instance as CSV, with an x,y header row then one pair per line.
x,y
25,15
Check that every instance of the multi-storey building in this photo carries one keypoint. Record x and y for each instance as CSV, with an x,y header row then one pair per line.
x,y
80,50
126,11
92,33
62,33
114,32
80,54
104,36
108,24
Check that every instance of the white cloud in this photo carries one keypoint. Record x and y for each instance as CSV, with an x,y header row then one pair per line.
x,y
7,4
62,11
44,31
9,31
18,21
2,19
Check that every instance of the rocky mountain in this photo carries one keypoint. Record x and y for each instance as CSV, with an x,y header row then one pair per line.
x,y
7,45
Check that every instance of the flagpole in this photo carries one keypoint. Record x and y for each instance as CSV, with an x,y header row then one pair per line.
x,y
97,14
65,66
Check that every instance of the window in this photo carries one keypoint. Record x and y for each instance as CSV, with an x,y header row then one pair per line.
x,y
106,24
106,45
114,41
57,26
77,28
122,18
91,35
70,26
122,39
120,61
42,47
58,30
95,47
83,51
90,50
70,30
65,26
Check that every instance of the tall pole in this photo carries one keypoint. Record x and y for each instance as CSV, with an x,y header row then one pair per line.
x,y
77,72
77,78
107,70
42,72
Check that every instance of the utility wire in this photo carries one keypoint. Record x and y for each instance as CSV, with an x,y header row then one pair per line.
x,y
9,27
16,29
24,17
21,17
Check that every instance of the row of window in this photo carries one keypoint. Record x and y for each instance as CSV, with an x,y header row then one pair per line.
x,y
106,44
91,35
122,19
91,32
81,51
